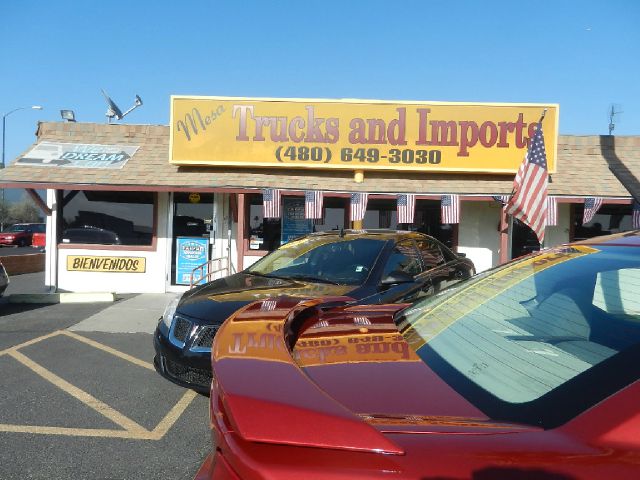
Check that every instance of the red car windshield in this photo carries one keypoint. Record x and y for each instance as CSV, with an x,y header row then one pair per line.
x,y
528,332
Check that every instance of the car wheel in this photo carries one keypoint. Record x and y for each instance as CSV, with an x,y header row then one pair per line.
x,y
22,242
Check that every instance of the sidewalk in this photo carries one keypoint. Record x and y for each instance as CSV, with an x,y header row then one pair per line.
x,y
130,313
137,313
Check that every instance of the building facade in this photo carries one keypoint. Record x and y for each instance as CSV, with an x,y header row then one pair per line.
x,y
126,215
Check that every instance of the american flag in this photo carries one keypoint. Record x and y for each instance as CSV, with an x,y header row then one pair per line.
x,y
529,200
501,199
271,203
361,321
358,206
313,204
268,305
636,214
450,208
552,211
406,207
591,207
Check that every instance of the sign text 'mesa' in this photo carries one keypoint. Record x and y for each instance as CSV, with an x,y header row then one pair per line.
x,y
463,134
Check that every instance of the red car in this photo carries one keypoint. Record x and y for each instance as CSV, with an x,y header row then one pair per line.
x,y
528,371
39,240
21,234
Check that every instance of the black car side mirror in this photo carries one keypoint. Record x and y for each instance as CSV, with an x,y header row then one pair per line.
x,y
396,277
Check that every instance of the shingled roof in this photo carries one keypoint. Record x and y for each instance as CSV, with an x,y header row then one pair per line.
x,y
585,165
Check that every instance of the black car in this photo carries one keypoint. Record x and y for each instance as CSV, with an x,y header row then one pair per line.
x,y
375,266
89,234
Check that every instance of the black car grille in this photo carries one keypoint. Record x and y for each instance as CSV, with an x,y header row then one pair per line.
x,y
195,376
205,336
181,329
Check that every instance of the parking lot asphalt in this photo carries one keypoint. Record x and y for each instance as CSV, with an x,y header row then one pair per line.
x,y
79,397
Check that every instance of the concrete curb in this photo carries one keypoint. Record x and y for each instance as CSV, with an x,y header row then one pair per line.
x,y
62,297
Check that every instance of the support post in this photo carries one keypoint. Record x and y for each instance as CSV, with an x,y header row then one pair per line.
x,y
504,236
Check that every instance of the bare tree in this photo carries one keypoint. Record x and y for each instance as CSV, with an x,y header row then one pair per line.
x,y
24,211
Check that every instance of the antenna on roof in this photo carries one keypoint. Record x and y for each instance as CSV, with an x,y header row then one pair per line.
x,y
613,111
114,112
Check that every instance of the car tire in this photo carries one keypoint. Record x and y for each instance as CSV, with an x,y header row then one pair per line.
x,y
22,242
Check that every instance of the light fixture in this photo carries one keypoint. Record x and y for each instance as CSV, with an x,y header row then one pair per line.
x,y
2,163
68,115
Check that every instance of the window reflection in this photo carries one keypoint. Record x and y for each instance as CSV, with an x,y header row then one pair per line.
x,y
107,218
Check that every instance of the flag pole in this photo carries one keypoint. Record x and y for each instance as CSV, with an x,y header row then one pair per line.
x,y
513,191
544,113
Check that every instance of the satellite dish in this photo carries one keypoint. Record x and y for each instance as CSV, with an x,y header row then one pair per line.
x,y
614,110
114,112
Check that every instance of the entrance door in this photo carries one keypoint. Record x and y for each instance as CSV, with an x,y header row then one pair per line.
x,y
523,240
192,229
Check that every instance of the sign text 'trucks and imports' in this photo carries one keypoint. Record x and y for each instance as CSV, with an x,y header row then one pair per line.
x,y
357,134
86,263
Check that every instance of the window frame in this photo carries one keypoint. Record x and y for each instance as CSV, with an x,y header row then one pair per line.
x,y
244,212
92,246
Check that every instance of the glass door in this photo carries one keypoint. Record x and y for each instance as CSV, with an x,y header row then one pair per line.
x,y
192,239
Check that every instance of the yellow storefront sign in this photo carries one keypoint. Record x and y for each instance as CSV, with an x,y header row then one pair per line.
x,y
357,134
86,263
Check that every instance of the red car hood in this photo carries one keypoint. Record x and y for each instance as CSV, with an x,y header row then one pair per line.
x,y
288,372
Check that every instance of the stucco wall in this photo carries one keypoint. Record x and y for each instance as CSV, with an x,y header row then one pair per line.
x,y
478,235
559,234
151,281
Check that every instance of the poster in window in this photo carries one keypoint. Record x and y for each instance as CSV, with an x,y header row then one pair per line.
x,y
192,252
293,222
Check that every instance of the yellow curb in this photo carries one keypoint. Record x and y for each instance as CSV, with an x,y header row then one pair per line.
x,y
62,297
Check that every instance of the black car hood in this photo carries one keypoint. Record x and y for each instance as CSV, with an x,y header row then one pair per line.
x,y
216,300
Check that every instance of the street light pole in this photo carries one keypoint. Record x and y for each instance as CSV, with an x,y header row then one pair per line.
x,y
2,165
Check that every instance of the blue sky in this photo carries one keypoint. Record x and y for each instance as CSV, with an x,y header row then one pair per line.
x,y
583,55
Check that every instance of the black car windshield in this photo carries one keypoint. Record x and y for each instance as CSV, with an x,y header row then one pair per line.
x,y
520,341
346,261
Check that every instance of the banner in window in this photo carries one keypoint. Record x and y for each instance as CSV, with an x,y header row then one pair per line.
x,y
294,224
357,134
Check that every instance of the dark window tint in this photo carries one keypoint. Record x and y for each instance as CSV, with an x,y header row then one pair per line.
x,y
109,218
405,258
431,252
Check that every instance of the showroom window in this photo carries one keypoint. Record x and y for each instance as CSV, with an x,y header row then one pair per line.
x,y
383,213
268,234
610,218
107,218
